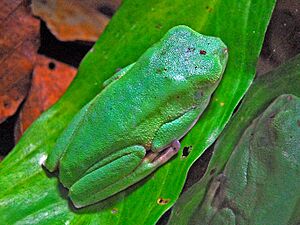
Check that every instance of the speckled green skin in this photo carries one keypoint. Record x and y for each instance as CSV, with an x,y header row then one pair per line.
x,y
261,181
142,108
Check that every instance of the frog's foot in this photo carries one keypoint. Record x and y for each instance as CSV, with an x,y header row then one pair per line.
x,y
159,158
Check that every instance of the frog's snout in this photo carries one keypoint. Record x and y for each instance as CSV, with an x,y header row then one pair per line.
x,y
223,52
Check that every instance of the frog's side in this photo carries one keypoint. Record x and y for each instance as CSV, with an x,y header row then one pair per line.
x,y
134,124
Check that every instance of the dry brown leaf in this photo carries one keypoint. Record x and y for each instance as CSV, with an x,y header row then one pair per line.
x,y
71,20
18,45
50,80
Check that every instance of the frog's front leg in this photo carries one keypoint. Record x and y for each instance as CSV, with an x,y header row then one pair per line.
x,y
101,182
165,143
174,130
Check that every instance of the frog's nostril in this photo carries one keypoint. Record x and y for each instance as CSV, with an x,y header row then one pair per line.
x,y
223,56
223,53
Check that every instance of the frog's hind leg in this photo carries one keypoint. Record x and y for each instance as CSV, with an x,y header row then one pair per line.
x,y
106,180
174,130
61,145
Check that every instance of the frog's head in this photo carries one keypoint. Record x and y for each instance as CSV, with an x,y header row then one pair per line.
x,y
189,56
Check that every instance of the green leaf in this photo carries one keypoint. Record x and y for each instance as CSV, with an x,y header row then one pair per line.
x,y
283,80
29,196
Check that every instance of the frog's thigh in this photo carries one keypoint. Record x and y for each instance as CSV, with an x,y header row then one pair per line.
x,y
65,138
117,75
99,184
174,130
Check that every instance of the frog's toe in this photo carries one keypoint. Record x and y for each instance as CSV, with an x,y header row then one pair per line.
x,y
52,161
175,145
167,153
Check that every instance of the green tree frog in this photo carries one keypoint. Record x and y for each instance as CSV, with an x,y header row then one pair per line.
x,y
133,126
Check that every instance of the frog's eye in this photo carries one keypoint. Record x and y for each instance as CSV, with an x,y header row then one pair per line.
x,y
202,52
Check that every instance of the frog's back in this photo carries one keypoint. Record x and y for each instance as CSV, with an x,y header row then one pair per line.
x,y
156,90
